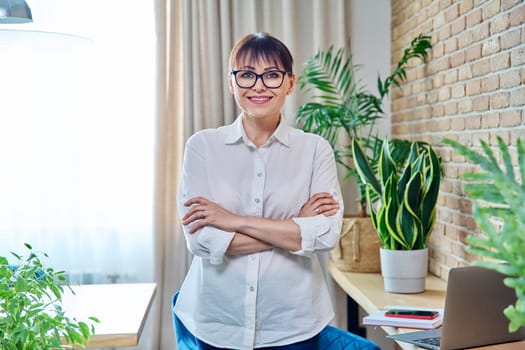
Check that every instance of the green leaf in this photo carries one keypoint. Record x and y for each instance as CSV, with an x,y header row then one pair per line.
x,y
363,167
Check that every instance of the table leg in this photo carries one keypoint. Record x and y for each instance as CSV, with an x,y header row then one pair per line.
x,y
352,317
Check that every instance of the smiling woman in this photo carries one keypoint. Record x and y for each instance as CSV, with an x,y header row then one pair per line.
x,y
76,137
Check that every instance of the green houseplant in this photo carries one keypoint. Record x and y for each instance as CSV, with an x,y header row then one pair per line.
x,y
31,316
341,106
498,195
402,197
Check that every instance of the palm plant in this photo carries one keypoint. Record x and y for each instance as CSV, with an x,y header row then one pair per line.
x,y
402,193
499,196
342,105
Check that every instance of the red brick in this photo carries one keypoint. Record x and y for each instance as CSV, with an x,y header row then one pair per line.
x,y
480,103
458,26
473,53
499,23
457,124
517,16
473,122
438,110
510,79
517,56
465,106
503,134
473,87
473,18
517,97
481,136
444,32
465,6
480,32
490,47
500,100
451,45
507,4
451,108
444,93
438,50
510,118
464,39
500,62
457,59
490,83
510,39
490,121
458,90
490,10
481,68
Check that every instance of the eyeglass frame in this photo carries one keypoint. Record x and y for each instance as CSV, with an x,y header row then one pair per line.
x,y
259,76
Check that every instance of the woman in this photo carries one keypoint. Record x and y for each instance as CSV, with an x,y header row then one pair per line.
x,y
258,199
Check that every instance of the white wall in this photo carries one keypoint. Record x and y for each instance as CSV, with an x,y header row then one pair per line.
x,y
371,37
370,45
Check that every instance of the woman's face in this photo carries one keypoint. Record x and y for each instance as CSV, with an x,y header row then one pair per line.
x,y
260,100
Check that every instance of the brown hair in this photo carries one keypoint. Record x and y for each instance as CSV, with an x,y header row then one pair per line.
x,y
253,47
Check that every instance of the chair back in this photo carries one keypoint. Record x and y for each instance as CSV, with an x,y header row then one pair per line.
x,y
185,339
332,338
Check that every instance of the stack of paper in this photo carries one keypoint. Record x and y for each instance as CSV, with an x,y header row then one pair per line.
x,y
379,319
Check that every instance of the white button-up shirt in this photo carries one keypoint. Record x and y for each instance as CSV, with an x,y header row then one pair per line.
x,y
274,297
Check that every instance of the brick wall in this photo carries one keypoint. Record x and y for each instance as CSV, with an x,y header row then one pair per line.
x,y
471,89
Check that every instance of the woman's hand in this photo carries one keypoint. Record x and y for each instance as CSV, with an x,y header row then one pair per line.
x,y
204,212
320,203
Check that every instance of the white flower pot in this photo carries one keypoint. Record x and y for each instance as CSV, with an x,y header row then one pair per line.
x,y
404,271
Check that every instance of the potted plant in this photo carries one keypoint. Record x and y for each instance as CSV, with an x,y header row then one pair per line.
x,y
402,197
31,316
342,107
498,196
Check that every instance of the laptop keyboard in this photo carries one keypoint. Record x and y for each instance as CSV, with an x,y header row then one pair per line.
x,y
430,341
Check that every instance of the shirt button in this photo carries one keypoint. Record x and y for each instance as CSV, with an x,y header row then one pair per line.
x,y
252,289
256,200
259,174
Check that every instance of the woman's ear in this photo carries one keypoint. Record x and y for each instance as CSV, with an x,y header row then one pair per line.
x,y
230,84
291,84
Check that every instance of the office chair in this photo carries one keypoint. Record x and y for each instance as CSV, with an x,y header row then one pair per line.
x,y
330,338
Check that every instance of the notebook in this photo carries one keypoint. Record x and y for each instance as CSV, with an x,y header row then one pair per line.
x,y
378,318
473,313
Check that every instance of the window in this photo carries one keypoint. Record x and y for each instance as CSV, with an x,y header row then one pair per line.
x,y
77,116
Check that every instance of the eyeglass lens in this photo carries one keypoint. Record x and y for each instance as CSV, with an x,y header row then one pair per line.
x,y
247,79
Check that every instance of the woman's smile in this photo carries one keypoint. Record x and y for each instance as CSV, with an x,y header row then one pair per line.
x,y
259,99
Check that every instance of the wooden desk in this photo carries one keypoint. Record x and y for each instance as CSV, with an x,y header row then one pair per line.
x,y
121,308
367,290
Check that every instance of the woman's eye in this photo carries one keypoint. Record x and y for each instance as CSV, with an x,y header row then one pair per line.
x,y
247,75
272,75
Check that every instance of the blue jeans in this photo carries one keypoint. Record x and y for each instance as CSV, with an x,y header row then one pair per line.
x,y
308,344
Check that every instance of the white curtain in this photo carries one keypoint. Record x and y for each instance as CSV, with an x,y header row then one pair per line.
x,y
77,118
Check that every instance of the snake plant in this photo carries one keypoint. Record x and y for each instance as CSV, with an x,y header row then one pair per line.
x,y
341,105
402,192
498,195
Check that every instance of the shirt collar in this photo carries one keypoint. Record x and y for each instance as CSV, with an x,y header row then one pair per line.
x,y
235,132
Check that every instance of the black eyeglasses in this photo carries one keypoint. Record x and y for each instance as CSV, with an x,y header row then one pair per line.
x,y
247,79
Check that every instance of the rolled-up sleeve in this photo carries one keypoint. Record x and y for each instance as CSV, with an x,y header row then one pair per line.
x,y
321,233
208,242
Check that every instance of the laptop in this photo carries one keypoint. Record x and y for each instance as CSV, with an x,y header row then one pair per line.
x,y
473,314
